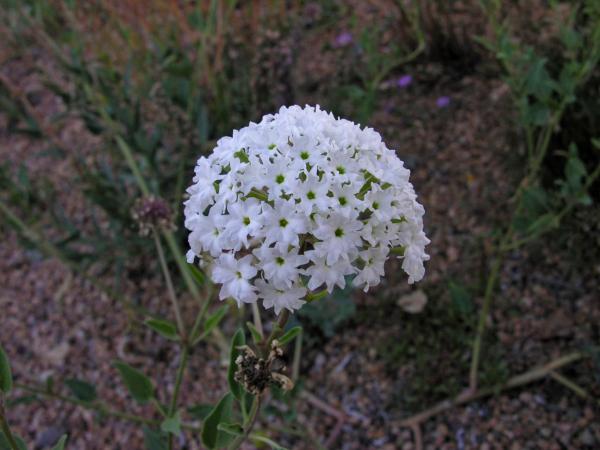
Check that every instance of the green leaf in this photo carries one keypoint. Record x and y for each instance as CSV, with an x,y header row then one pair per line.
x,y
163,327
265,440
172,424
461,299
537,114
81,390
4,445
5,373
235,429
139,385
289,335
238,340
256,335
538,81
200,411
221,413
154,440
544,223
214,319
60,445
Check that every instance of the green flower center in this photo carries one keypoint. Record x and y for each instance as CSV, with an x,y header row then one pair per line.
x,y
279,179
280,261
283,223
304,155
310,195
339,232
246,220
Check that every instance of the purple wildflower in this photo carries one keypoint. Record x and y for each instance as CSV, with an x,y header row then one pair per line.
x,y
404,81
343,39
442,102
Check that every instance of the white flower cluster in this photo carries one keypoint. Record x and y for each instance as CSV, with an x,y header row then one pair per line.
x,y
300,201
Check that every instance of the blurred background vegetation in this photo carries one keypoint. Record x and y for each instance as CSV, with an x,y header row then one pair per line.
x,y
129,90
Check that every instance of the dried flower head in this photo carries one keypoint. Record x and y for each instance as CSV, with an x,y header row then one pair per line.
x,y
300,201
152,212
256,374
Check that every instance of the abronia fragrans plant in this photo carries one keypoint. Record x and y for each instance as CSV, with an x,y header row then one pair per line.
x,y
298,202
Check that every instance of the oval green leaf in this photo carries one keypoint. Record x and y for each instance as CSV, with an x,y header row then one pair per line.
x,y
139,385
81,390
214,319
221,413
172,424
6,381
163,327
289,335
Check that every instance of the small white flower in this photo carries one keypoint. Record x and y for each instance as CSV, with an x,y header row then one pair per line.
x,y
374,260
329,274
312,193
289,298
282,223
234,275
339,236
379,202
280,264
243,220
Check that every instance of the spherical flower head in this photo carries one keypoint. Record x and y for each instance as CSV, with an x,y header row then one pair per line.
x,y
298,202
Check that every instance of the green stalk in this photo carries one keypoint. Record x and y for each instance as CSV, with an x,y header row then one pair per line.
x,y
98,407
248,425
277,330
128,155
256,318
483,315
182,264
178,379
170,289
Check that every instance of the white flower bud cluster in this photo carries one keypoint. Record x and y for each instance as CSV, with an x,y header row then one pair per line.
x,y
298,202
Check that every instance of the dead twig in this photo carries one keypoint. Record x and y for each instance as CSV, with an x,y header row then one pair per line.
x,y
469,395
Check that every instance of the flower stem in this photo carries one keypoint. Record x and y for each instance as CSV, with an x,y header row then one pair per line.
x,y
278,327
178,379
170,289
257,319
485,310
254,409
